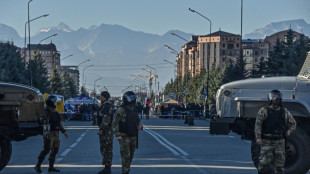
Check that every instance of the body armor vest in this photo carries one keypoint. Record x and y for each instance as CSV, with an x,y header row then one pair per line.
x,y
130,126
54,120
275,122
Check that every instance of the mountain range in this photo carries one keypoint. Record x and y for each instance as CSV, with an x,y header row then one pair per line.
x,y
117,52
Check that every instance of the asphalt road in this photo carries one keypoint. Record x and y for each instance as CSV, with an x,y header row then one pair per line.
x,y
165,147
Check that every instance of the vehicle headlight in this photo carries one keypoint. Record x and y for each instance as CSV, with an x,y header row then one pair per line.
x,y
226,93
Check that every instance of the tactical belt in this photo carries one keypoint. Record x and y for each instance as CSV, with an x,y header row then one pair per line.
x,y
272,137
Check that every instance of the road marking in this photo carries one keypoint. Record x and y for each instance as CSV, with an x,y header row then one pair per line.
x,y
169,143
162,143
64,153
73,145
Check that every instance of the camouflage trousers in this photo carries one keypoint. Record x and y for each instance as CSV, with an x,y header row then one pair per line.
x,y
127,148
106,146
272,152
51,144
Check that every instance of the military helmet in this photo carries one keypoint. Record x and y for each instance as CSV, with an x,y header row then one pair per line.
x,y
51,101
272,95
105,94
129,97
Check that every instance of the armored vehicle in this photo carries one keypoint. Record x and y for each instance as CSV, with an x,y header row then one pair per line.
x,y
238,102
21,109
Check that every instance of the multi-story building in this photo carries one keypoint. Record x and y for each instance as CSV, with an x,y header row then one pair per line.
x,y
218,48
272,39
49,54
222,48
253,51
74,73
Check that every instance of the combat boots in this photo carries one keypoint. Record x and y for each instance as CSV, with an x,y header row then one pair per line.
x,y
106,170
51,168
37,168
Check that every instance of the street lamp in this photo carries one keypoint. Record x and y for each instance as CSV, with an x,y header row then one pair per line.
x,y
174,51
83,83
174,65
209,52
83,62
67,57
29,44
48,37
29,22
95,86
179,36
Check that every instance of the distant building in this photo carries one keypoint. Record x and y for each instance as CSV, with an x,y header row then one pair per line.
x,y
219,49
74,73
272,39
253,51
48,53
223,47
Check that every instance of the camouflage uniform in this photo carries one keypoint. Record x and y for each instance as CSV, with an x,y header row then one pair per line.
x,y
51,141
106,138
273,149
128,144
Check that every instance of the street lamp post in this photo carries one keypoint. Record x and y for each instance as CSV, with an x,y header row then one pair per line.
x,y
83,83
29,44
173,66
174,51
80,65
48,37
95,87
179,37
29,22
209,52
67,57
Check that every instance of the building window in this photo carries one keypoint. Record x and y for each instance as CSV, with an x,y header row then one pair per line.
x,y
223,52
223,45
230,53
256,53
230,46
237,45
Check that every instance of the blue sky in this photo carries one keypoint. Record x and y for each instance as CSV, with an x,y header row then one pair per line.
x,y
153,16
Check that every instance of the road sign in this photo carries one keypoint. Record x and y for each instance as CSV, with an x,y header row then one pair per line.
x,y
186,91
202,97
171,95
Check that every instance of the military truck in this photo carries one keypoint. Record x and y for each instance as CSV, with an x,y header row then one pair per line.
x,y
238,102
21,112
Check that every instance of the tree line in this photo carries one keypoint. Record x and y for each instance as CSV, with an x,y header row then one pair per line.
x,y
285,59
13,68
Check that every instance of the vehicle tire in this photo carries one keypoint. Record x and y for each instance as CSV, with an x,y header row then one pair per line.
x,y
297,153
5,151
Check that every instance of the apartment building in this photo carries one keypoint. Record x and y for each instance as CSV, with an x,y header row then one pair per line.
x,y
49,54
253,51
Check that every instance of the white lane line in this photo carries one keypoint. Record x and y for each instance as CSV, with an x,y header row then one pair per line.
x,y
162,143
169,143
73,145
165,143
65,152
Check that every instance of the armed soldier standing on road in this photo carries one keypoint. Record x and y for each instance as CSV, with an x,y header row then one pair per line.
x,y
125,126
105,117
51,135
273,124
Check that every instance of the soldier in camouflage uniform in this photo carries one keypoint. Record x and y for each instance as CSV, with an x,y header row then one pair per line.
x,y
125,126
273,124
50,135
105,117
